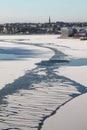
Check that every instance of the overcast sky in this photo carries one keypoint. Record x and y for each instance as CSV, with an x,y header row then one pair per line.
x,y
40,10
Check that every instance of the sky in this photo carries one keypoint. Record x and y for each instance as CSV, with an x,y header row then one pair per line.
x,y
40,10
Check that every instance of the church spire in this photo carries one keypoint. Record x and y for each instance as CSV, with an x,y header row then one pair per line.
x,y
49,20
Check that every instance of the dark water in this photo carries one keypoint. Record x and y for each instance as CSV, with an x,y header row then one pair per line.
x,y
78,62
30,99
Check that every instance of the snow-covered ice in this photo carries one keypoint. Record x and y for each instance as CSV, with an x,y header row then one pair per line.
x,y
37,77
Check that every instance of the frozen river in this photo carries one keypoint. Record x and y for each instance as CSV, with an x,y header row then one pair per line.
x,y
31,86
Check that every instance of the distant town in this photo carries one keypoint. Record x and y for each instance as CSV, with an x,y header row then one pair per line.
x,y
76,29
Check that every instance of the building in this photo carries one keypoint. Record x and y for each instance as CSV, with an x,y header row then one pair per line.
x,y
67,32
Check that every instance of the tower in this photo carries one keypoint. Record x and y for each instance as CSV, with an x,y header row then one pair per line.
x,y
49,20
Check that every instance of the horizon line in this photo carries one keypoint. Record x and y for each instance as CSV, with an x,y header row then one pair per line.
x,y
43,22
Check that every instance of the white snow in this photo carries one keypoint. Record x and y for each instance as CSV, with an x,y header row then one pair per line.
x,y
73,115
78,74
12,69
